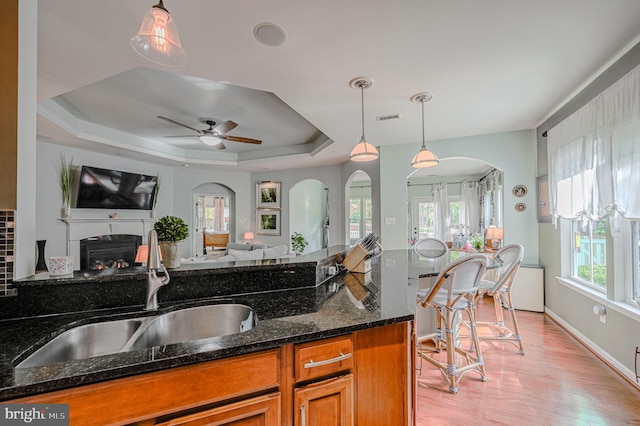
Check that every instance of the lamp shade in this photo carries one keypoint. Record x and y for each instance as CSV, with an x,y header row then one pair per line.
x,y
142,255
248,236
495,233
157,39
424,158
364,151
210,139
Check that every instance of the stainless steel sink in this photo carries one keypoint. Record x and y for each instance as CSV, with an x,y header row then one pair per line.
x,y
196,323
85,341
110,337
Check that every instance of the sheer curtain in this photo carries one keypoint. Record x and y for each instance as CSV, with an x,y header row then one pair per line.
x,y
594,156
470,206
441,211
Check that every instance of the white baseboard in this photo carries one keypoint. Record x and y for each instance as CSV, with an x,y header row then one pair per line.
x,y
602,354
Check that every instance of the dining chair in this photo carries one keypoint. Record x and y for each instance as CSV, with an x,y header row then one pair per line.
x,y
430,247
452,294
510,259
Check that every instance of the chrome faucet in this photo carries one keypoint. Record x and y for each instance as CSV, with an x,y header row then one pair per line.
x,y
154,282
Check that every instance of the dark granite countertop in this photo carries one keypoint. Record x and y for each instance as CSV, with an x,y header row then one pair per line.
x,y
338,305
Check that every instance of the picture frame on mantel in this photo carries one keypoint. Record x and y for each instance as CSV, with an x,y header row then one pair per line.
x,y
268,221
268,195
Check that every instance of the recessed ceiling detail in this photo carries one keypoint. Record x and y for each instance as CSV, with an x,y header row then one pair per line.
x,y
270,34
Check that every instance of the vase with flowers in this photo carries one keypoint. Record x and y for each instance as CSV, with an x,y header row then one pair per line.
x,y
477,242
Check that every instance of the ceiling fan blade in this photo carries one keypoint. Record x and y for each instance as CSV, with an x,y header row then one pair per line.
x,y
225,127
221,146
179,124
241,139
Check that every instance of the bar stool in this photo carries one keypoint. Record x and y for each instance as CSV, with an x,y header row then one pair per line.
x,y
510,258
454,292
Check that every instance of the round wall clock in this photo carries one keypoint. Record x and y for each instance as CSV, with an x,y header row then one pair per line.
x,y
520,207
519,190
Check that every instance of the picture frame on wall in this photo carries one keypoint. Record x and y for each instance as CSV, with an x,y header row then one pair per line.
x,y
268,195
544,213
268,221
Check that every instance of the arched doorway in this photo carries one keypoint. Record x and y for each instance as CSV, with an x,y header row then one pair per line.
x,y
359,211
213,213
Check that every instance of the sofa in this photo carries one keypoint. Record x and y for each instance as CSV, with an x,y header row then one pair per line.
x,y
239,252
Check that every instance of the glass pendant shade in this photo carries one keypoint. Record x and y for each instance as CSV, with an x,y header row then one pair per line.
x,y
424,158
210,139
157,40
364,151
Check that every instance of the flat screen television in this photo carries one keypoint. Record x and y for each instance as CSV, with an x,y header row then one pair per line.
x,y
113,189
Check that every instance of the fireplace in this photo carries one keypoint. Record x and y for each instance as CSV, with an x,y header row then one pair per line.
x,y
109,251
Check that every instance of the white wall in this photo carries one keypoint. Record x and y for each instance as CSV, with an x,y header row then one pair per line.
x,y
307,212
512,152
330,176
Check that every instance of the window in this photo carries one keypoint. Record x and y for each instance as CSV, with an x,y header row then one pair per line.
x,y
360,222
423,217
589,253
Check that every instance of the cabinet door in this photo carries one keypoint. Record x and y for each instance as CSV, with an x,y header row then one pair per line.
x,y
259,411
325,403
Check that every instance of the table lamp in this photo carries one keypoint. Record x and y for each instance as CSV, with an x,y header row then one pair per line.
x,y
248,236
495,235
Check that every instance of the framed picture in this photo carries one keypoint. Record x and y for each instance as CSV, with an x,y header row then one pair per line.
x,y
268,222
544,215
268,195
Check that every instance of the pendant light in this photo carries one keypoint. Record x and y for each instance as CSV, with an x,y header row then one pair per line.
x,y
363,151
424,158
157,39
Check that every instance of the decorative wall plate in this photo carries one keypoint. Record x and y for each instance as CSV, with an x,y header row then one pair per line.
x,y
520,207
520,190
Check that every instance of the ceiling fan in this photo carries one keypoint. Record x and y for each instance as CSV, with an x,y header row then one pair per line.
x,y
214,134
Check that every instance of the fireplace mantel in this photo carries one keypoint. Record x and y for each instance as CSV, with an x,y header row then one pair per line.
x,y
78,229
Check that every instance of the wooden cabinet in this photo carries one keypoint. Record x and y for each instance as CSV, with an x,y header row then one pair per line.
x,y
259,411
363,378
325,403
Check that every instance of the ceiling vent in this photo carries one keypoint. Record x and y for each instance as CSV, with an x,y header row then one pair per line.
x,y
388,117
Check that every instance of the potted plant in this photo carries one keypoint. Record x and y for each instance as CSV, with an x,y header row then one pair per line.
x,y
477,242
298,243
66,184
171,231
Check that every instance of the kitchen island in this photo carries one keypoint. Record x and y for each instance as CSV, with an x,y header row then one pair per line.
x,y
368,314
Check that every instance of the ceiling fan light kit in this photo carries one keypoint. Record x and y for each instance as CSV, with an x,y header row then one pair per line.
x,y
157,39
363,151
424,158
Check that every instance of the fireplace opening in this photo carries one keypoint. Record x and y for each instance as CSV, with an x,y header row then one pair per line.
x,y
109,251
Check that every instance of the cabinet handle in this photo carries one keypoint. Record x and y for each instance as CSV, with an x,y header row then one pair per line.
x,y
342,357
303,417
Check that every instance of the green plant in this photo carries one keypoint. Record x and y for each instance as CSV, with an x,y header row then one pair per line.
x,y
298,243
171,228
66,180
477,241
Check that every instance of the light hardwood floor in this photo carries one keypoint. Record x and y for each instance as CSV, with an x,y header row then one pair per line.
x,y
557,382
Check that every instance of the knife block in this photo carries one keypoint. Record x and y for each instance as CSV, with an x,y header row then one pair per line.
x,y
355,258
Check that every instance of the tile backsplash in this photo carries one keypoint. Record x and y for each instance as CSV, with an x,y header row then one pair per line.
x,y
7,242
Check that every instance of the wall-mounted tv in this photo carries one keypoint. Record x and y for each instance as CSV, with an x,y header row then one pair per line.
x,y
113,189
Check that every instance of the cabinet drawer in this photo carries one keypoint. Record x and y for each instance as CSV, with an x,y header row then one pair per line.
x,y
323,358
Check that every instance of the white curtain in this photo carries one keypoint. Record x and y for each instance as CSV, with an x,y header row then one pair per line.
x,y
594,156
219,213
441,213
470,206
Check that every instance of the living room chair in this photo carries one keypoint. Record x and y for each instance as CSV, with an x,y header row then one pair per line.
x,y
452,294
430,247
510,259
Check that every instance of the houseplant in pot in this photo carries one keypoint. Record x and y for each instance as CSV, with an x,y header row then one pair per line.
x,y
298,243
171,231
66,184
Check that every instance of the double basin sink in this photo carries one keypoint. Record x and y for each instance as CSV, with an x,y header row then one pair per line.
x,y
110,337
